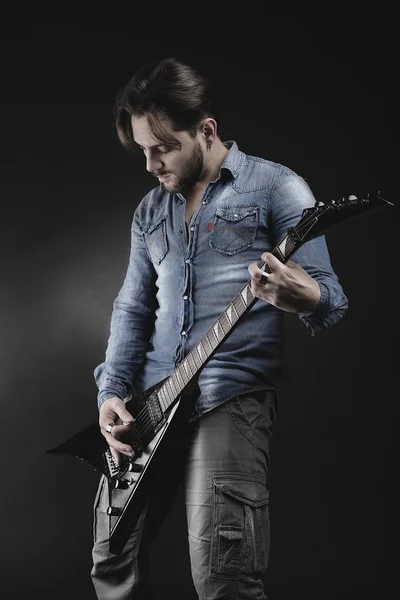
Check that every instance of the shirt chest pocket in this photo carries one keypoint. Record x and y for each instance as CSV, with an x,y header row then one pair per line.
x,y
155,240
234,228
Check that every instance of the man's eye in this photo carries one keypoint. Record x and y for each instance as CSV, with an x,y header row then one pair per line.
x,y
161,150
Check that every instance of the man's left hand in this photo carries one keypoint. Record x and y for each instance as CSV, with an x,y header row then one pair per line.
x,y
288,286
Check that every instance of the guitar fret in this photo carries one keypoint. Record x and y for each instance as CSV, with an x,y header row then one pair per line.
x,y
196,360
186,369
285,248
183,372
214,340
201,352
228,313
174,384
191,362
206,344
166,396
249,295
239,305
225,323
168,392
179,378
234,313
243,295
161,398
216,331
280,250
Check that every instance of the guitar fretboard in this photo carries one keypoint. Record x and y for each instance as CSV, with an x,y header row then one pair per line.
x,y
196,358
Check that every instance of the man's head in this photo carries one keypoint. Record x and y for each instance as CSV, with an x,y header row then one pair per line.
x,y
168,110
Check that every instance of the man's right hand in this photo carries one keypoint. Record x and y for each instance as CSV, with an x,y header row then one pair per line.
x,y
113,412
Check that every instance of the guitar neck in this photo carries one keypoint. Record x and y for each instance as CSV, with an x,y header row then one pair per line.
x,y
197,357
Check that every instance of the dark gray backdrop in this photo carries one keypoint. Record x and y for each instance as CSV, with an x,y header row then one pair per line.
x,y
310,92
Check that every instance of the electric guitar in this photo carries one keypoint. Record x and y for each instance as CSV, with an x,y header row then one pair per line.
x,y
129,482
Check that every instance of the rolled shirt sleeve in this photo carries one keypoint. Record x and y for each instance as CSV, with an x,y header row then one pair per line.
x,y
289,198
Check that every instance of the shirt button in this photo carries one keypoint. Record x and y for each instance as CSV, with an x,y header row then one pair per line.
x,y
235,215
183,332
187,261
185,297
192,229
204,201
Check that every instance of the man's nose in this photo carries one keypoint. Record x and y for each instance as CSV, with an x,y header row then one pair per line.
x,y
153,164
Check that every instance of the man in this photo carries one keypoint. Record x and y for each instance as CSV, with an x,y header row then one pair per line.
x,y
196,238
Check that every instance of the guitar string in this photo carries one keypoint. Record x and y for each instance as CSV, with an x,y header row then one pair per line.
x,y
143,419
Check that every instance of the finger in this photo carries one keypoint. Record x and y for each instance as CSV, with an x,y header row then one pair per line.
x,y
114,430
264,279
271,261
116,408
259,276
118,431
124,415
113,411
109,427
117,445
255,270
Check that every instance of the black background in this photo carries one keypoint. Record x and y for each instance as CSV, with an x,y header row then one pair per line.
x,y
312,92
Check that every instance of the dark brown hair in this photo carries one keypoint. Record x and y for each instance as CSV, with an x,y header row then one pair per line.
x,y
170,90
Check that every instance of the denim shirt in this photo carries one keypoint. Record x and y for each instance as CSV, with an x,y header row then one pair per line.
x,y
179,280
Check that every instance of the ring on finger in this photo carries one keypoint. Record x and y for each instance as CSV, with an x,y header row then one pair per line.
x,y
109,428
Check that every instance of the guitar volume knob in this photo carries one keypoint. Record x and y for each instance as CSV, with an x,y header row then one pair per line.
x,y
113,511
123,484
134,467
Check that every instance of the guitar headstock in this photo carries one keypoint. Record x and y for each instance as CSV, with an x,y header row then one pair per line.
x,y
322,215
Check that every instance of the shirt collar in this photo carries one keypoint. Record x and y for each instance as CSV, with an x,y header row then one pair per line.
x,y
234,159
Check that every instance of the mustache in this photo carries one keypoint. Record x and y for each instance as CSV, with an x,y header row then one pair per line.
x,y
160,173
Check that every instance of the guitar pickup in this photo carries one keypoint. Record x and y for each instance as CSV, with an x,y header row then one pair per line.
x,y
135,440
155,411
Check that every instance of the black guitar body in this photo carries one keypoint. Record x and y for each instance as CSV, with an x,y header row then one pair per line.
x,y
131,482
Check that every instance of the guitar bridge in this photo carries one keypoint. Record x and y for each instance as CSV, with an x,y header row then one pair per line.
x,y
111,469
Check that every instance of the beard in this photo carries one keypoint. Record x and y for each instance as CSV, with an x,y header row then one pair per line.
x,y
191,172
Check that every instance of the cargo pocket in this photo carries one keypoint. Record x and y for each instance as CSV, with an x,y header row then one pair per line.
x,y
234,228
155,240
241,532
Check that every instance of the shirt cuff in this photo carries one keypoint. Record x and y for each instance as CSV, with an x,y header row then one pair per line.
x,y
102,396
315,320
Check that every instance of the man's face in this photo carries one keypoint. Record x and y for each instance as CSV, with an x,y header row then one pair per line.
x,y
176,169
